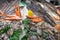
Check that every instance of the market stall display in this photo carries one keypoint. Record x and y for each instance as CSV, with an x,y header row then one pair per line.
x,y
29,20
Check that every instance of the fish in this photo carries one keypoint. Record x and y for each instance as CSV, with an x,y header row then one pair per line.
x,y
37,9
47,12
50,9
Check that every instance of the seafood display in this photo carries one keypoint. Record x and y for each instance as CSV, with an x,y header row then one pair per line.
x,y
29,20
